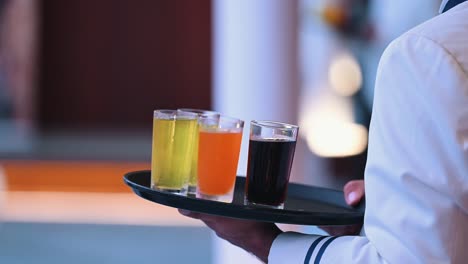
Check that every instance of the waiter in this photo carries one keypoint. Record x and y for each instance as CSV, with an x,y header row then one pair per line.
x,y
416,177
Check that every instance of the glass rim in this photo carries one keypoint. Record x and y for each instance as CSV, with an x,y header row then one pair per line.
x,y
199,111
233,119
173,114
273,124
165,111
220,120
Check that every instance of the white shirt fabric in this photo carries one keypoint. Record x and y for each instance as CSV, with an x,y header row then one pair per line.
x,y
416,176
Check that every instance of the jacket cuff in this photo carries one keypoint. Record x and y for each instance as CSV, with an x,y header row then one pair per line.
x,y
292,247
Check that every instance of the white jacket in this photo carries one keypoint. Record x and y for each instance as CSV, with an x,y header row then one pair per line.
x,y
416,177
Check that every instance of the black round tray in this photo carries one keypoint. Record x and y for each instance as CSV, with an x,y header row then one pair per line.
x,y
304,205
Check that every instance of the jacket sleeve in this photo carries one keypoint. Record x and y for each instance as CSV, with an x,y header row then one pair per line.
x,y
416,173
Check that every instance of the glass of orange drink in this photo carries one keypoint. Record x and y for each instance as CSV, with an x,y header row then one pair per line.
x,y
218,155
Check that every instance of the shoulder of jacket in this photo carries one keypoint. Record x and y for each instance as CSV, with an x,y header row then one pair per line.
x,y
446,27
447,32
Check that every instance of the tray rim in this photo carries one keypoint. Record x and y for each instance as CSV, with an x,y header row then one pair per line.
x,y
240,211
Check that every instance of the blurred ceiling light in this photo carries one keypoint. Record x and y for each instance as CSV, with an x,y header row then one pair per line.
x,y
345,75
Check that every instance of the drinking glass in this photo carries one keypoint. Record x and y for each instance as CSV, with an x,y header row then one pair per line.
x,y
271,153
218,156
172,150
192,187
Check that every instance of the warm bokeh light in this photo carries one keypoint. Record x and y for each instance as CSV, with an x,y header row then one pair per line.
x,y
345,75
328,128
337,139
2,192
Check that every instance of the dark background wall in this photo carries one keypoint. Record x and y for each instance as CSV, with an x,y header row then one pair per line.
x,y
110,63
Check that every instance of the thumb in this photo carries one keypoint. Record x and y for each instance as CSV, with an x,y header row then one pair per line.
x,y
354,192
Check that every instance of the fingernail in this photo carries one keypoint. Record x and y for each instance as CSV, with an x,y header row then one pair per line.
x,y
184,212
352,196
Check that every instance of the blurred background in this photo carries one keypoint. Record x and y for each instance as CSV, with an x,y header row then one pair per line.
x,y
79,81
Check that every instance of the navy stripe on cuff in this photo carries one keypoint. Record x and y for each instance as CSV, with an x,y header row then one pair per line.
x,y
312,248
322,250
451,4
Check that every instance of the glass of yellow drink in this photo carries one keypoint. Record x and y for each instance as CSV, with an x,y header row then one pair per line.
x,y
192,187
174,134
218,156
